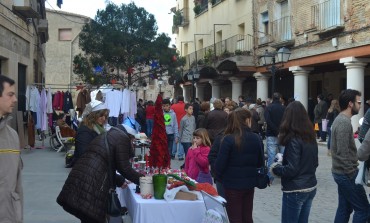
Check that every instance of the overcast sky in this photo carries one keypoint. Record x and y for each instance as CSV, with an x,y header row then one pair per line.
x,y
159,8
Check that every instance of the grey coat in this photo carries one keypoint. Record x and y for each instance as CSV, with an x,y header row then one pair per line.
x,y
11,191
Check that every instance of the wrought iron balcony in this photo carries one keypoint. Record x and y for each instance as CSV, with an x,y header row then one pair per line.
x,y
326,15
281,29
233,46
184,17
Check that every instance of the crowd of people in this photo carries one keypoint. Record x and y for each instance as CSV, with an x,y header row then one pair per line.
x,y
220,142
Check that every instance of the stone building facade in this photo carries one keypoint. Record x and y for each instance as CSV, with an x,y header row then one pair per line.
x,y
328,41
23,34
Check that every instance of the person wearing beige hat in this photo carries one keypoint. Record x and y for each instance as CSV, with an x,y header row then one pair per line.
x,y
91,126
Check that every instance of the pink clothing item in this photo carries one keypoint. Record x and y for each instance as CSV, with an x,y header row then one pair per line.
x,y
196,160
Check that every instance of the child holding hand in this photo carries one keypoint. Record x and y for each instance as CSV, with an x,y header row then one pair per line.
x,y
196,162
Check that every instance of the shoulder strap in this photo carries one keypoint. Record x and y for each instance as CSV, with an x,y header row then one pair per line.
x,y
110,169
262,153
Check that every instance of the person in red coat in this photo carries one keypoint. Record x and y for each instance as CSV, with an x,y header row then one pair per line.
x,y
179,109
149,111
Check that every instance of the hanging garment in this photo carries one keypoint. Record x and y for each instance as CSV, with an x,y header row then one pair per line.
x,y
113,100
43,109
67,102
31,130
83,98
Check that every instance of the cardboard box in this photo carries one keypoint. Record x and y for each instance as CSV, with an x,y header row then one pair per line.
x,y
181,195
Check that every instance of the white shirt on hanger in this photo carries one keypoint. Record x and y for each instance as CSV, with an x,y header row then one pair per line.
x,y
113,99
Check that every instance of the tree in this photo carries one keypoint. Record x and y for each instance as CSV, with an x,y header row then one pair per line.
x,y
123,38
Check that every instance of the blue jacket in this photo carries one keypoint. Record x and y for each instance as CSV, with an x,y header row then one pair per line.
x,y
237,168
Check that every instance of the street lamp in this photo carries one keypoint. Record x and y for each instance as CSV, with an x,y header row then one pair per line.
x,y
193,76
273,64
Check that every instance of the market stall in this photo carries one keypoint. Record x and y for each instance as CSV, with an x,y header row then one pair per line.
x,y
161,211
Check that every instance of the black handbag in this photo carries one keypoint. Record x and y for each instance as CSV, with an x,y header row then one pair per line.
x,y
263,179
114,205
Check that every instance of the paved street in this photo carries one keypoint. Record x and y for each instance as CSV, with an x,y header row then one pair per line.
x,y
44,175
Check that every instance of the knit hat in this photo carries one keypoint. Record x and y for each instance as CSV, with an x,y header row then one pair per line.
x,y
97,105
251,106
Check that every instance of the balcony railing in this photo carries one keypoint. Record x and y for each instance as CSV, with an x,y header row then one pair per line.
x,y
200,6
215,2
281,29
226,48
184,17
326,15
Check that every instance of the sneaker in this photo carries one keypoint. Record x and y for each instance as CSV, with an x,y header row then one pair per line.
x,y
322,140
181,158
172,157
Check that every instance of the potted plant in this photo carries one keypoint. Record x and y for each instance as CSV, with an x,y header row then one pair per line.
x,y
177,18
226,54
238,52
197,9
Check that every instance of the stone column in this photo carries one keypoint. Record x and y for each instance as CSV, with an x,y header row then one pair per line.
x,y
216,93
301,83
236,88
355,80
262,85
199,91
184,91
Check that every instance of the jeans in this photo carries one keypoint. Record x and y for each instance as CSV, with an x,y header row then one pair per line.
x,y
329,137
322,134
186,146
149,127
296,206
177,147
273,147
170,142
351,197
239,205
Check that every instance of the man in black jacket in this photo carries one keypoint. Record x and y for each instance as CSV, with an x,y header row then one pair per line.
x,y
273,115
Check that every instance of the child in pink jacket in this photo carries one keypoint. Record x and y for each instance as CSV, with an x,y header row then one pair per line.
x,y
196,162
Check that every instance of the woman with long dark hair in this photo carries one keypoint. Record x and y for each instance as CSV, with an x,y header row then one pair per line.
x,y
300,160
238,159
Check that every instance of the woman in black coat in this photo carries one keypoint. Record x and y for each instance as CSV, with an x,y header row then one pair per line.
x,y
85,192
300,160
237,161
91,126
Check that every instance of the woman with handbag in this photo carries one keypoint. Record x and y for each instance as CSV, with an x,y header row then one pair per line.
x,y
239,158
85,193
300,160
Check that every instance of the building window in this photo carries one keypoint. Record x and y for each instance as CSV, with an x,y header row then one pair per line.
x,y
65,34
265,23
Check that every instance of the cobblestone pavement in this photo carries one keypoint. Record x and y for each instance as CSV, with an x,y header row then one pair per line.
x,y
44,175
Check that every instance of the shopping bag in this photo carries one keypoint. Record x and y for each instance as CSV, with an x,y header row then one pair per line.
x,y
316,128
324,124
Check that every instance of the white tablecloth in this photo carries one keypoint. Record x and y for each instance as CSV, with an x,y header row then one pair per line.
x,y
161,211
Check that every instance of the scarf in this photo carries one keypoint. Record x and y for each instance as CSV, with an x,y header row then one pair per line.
x,y
98,129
